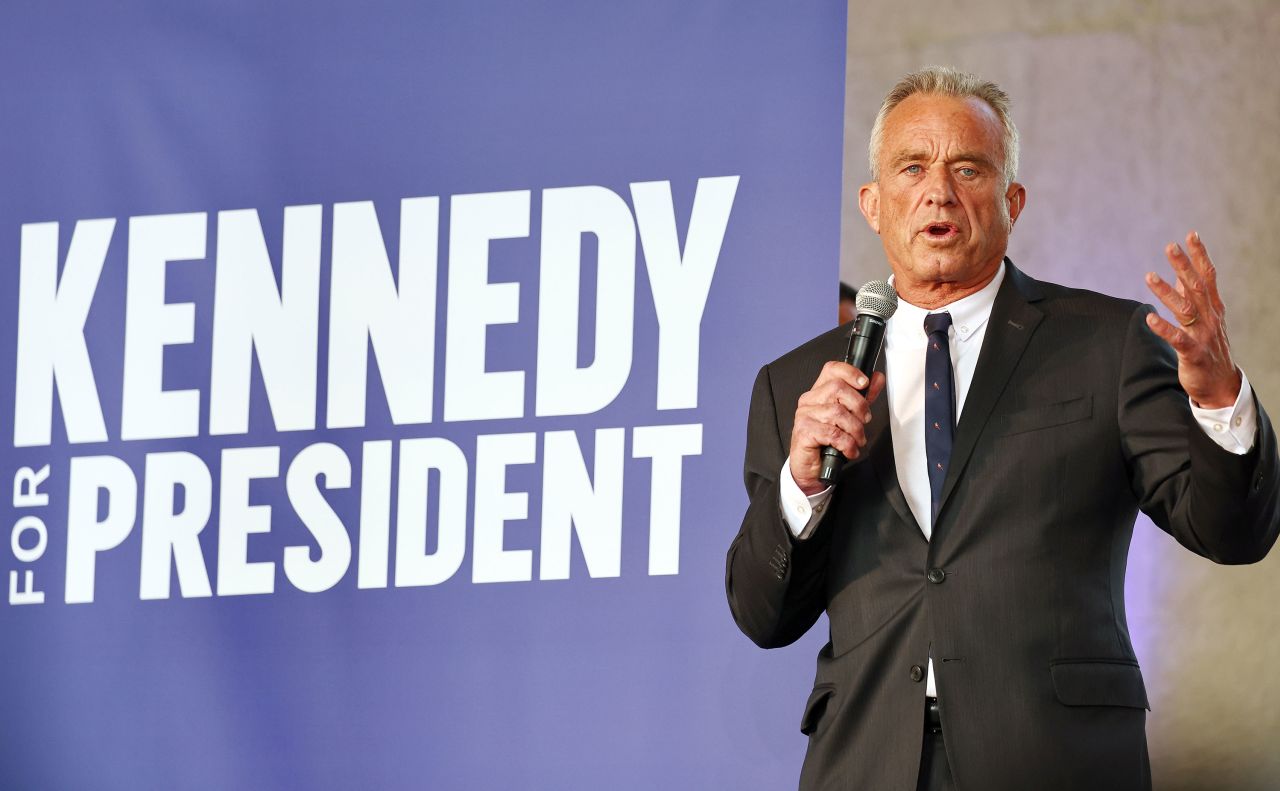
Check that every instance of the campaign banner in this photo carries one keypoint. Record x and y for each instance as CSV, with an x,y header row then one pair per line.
x,y
375,382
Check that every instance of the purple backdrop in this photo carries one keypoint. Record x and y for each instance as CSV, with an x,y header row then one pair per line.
x,y
607,679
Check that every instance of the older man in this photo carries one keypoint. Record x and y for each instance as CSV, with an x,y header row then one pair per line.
x,y
971,557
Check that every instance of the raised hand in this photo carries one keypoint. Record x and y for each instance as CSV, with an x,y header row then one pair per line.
x,y
833,413
1205,368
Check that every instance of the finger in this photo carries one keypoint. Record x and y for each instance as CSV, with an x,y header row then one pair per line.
x,y
835,392
814,435
836,415
860,404
1176,337
1188,277
1179,304
836,389
877,386
843,372
827,387
1208,272
862,381
854,401
1196,253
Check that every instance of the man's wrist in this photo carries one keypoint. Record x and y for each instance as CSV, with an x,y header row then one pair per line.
x,y
810,486
1226,398
1233,427
800,511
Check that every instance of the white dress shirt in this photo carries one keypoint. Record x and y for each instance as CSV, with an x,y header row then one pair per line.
x,y
1233,428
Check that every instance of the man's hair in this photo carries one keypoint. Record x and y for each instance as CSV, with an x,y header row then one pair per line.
x,y
946,81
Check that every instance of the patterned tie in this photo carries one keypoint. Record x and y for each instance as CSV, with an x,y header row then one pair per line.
x,y
939,404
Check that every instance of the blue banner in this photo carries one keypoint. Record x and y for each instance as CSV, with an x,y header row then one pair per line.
x,y
376,378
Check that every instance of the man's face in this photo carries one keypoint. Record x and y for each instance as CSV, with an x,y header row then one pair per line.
x,y
940,204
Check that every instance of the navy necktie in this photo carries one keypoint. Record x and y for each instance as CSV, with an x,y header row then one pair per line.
x,y
939,404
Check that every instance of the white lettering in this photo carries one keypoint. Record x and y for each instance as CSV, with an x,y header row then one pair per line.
x,y
27,594
367,307
318,516
35,551
86,534
237,520
166,533
495,506
470,391
667,446
26,487
148,411
567,214
570,503
375,514
250,314
414,565
680,283
51,345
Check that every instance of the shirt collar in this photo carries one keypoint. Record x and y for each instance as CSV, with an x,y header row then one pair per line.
x,y
968,314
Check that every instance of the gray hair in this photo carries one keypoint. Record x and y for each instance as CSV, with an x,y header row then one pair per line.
x,y
946,81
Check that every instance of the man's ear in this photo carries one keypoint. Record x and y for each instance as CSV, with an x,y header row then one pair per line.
x,y
869,203
1016,198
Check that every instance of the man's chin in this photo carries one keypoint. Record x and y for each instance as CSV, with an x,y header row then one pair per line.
x,y
942,267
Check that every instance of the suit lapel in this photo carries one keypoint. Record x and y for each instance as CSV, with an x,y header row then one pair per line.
x,y
1013,321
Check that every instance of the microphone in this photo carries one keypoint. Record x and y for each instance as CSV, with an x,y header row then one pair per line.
x,y
876,302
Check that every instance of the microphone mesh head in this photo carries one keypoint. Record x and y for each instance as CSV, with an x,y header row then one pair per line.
x,y
877,298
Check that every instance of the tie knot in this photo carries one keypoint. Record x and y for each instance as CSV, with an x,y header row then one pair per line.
x,y
937,322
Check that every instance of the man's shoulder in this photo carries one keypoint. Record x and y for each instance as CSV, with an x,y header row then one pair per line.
x,y
1058,299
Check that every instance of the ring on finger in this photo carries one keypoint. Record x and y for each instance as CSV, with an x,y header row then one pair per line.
x,y
1194,318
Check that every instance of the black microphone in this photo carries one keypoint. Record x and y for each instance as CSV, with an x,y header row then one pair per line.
x,y
876,302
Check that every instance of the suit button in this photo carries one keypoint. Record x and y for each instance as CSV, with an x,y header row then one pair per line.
x,y
917,673
936,575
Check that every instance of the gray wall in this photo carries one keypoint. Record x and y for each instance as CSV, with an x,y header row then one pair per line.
x,y
1140,121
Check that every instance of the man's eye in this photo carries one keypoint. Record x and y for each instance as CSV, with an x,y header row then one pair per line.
x,y
968,172
913,169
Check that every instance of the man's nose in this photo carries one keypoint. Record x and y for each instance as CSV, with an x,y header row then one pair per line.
x,y
939,191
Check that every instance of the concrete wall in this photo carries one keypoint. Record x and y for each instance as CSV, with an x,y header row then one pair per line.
x,y
1140,121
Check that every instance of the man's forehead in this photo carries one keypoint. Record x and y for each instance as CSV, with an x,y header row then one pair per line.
x,y
942,104
925,121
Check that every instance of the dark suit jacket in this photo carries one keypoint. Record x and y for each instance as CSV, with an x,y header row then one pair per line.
x,y
1074,421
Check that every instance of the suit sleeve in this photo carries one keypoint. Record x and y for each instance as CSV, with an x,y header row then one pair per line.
x,y
774,582
1220,505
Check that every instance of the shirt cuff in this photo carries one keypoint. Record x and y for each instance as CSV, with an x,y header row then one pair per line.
x,y
801,512
1234,427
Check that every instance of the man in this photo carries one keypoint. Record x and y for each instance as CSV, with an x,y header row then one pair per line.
x,y
971,555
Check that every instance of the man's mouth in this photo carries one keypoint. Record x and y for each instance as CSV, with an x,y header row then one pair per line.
x,y
941,231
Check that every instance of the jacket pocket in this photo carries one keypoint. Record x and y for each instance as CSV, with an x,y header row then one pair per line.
x,y
1099,682
1047,416
815,707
